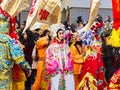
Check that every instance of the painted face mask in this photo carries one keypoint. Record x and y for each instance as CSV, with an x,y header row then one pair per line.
x,y
4,26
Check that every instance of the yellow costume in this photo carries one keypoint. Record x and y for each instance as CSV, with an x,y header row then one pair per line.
x,y
41,46
78,62
20,83
115,38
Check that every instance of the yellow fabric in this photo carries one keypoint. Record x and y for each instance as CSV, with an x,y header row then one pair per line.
x,y
92,80
36,85
52,6
76,79
44,84
41,46
115,38
88,51
93,13
19,85
113,86
11,86
14,7
77,58
114,81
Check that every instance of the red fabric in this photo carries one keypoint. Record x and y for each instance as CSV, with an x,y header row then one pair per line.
x,y
116,13
95,28
115,80
1,1
95,67
16,72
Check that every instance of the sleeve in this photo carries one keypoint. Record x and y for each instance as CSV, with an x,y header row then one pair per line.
x,y
51,63
77,58
41,42
17,53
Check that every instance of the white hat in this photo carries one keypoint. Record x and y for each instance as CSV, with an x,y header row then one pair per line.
x,y
54,28
36,26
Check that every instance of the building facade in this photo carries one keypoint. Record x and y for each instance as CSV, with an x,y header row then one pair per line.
x,y
23,15
71,9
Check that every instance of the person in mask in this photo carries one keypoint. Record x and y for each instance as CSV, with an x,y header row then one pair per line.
x,y
77,56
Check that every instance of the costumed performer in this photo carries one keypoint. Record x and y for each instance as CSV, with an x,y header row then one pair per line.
x,y
59,63
11,52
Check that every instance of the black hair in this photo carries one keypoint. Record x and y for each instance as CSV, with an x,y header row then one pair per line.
x,y
117,57
66,24
104,35
44,33
37,29
108,57
109,18
79,19
72,27
99,18
59,31
29,40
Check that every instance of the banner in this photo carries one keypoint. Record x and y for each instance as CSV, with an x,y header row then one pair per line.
x,y
31,19
44,11
14,7
54,9
94,7
115,34
116,13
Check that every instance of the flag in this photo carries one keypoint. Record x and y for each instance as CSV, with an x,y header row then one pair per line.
x,y
31,19
94,7
54,8
44,11
14,7
115,34
116,13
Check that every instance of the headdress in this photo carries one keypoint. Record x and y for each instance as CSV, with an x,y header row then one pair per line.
x,y
4,19
55,27
12,22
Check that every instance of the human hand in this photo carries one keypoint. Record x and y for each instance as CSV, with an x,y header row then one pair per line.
x,y
29,73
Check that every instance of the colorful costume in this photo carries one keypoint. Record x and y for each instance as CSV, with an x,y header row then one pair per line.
x,y
59,67
115,35
78,61
92,76
11,52
41,46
